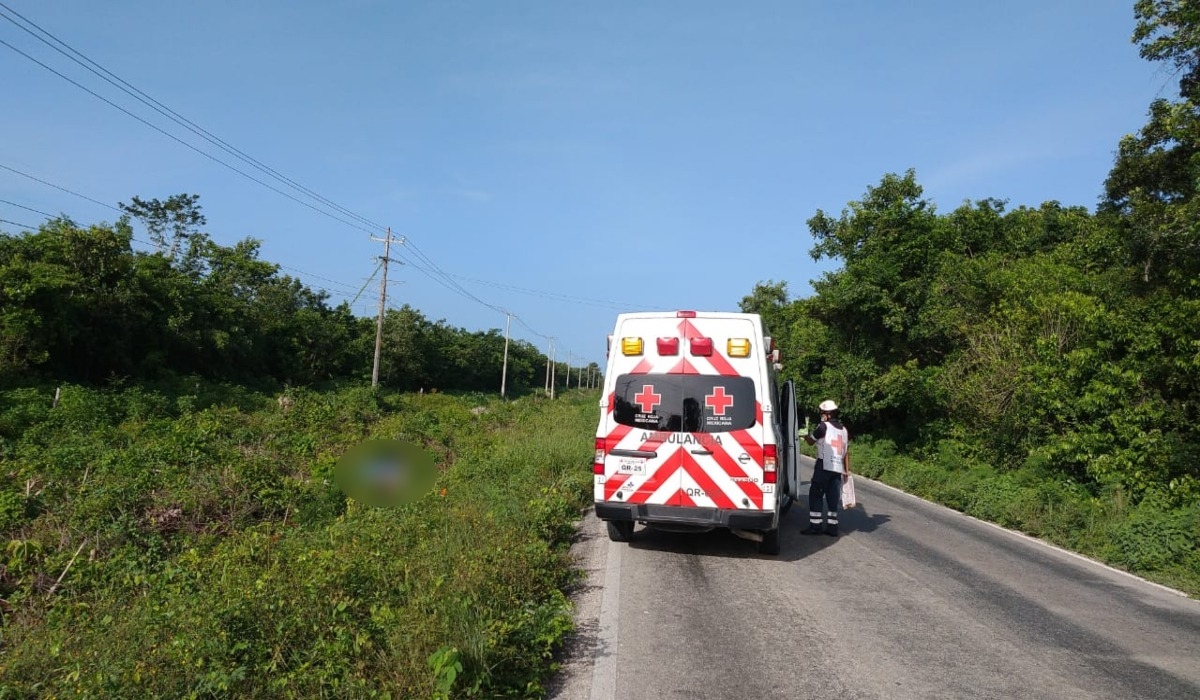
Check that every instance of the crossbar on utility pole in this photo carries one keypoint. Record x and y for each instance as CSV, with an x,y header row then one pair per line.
x,y
387,250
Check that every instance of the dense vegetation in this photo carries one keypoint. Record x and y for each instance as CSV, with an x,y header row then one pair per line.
x,y
177,543
1038,366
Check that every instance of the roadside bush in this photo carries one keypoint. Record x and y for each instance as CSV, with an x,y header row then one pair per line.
x,y
1154,537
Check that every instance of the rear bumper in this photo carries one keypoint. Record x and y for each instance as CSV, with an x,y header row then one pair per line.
x,y
680,515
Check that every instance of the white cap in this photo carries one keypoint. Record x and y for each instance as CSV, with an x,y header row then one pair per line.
x,y
827,406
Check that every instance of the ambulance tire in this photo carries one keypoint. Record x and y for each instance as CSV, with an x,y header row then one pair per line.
x,y
770,542
620,530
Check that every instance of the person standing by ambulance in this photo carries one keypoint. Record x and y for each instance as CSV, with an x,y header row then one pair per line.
x,y
833,464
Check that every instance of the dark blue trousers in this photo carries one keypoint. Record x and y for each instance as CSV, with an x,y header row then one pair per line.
x,y
825,486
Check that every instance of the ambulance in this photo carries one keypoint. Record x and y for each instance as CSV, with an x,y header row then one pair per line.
x,y
695,432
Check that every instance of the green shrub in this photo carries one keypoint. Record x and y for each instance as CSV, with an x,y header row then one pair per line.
x,y
1156,537
12,510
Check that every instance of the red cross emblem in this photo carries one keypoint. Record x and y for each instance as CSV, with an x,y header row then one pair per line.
x,y
838,444
718,401
647,399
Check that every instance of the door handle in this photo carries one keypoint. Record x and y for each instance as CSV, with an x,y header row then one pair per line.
x,y
701,452
648,454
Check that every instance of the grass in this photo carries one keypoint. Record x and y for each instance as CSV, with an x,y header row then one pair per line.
x,y
204,552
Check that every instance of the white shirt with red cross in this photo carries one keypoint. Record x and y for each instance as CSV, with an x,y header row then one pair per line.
x,y
831,448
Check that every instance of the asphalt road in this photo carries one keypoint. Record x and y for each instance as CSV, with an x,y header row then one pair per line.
x,y
912,601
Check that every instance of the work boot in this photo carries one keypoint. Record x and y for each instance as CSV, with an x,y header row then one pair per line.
x,y
812,529
831,530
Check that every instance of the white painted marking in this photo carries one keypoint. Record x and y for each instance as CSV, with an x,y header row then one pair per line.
x,y
1029,538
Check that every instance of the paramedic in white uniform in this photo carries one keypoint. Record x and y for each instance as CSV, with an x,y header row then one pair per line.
x,y
833,464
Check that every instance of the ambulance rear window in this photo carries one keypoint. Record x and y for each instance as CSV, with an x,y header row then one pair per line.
x,y
685,403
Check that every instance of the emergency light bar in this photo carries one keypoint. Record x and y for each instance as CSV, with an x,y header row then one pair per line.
x,y
738,347
631,346
702,346
668,346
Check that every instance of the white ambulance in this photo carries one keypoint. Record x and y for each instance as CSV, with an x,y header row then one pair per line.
x,y
695,431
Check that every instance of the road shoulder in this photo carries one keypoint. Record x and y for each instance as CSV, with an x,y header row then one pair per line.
x,y
577,656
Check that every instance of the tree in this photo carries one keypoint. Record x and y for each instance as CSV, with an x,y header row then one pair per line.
x,y
1153,183
1169,30
179,216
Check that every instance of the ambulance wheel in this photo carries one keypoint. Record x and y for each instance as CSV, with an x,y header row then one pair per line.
x,y
620,530
770,542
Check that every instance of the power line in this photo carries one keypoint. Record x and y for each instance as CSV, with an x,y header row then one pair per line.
x,y
14,223
185,143
364,287
527,327
444,280
171,114
22,206
313,275
58,187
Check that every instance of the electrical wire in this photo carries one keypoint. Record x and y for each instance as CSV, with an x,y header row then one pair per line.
x,y
174,116
175,138
57,187
377,269
14,223
22,206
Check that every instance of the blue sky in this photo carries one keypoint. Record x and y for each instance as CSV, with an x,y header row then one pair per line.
x,y
652,154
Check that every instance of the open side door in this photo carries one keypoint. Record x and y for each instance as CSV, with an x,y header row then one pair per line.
x,y
791,429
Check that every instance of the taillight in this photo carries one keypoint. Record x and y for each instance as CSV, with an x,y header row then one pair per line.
x,y
768,464
598,461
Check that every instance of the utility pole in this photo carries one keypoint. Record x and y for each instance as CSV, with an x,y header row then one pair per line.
x,y
387,249
553,369
504,374
549,344
570,356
